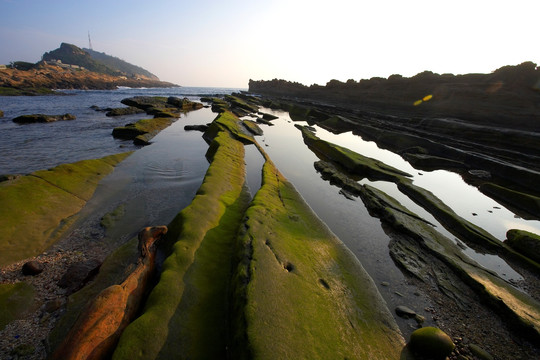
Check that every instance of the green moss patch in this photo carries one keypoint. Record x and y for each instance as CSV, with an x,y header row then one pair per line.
x,y
300,293
218,105
36,205
15,300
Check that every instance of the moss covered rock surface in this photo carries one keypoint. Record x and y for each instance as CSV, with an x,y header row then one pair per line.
x,y
35,206
527,243
305,296
431,342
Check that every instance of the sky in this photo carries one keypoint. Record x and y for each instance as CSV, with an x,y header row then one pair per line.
x,y
226,43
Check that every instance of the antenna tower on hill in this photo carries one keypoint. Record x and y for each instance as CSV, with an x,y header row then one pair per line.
x,y
89,41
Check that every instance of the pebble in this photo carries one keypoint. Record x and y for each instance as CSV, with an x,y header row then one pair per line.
x,y
405,312
53,305
32,268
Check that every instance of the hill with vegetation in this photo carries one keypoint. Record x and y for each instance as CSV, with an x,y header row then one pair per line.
x,y
124,67
70,67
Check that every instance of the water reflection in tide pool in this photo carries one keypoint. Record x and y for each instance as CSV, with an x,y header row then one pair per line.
x,y
354,225
491,262
254,163
466,200
156,182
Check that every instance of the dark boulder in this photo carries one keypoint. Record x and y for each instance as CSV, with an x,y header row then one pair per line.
x,y
201,128
405,312
41,118
128,132
269,116
145,102
525,242
97,108
264,121
78,274
32,268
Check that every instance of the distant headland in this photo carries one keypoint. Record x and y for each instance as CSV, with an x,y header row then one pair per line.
x,y
70,67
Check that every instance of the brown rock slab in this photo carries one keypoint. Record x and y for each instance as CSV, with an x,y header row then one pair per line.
x,y
100,325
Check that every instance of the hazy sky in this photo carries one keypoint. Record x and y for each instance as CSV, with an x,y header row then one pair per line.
x,y
225,43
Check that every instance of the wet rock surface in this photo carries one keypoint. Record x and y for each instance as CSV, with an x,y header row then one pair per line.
x,y
78,274
41,118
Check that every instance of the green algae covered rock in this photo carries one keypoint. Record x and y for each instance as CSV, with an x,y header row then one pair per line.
x,y
146,127
355,163
301,294
41,118
35,208
525,242
431,342
186,314
454,223
526,205
253,127
227,121
235,101
337,124
15,300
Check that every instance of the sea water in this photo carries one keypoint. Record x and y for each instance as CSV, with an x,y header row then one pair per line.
x,y
30,147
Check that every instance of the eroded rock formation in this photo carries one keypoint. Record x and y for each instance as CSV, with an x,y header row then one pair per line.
x,y
100,325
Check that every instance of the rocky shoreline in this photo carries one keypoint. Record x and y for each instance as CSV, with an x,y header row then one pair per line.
x,y
307,270
45,78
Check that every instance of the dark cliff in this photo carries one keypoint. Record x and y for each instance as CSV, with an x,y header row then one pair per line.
x,y
508,97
